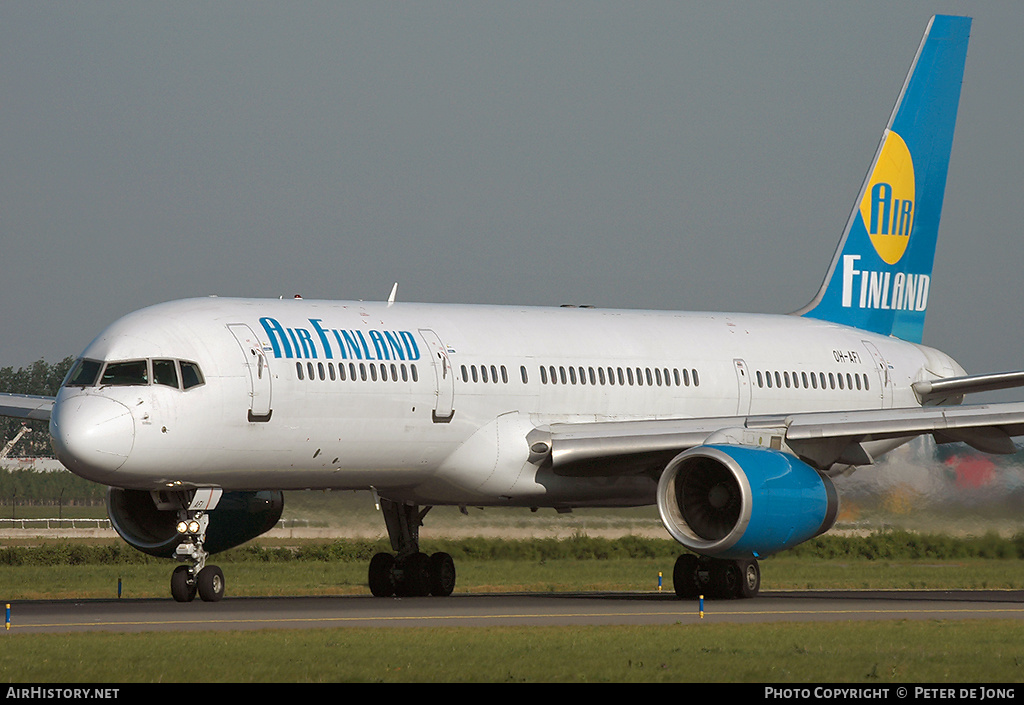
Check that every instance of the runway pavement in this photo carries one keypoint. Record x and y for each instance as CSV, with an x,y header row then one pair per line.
x,y
467,610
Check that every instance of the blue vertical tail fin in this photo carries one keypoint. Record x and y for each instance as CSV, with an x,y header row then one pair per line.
x,y
880,277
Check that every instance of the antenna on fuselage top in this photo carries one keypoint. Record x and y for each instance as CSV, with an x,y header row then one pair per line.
x,y
394,292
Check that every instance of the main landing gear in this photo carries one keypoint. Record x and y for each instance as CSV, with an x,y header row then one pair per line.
x,y
409,572
694,576
195,576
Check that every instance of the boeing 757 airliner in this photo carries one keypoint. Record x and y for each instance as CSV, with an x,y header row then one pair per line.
x,y
199,413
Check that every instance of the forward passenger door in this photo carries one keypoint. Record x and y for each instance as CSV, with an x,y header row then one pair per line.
x,y
257,369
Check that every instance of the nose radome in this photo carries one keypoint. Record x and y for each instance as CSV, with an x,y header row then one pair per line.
x,y
92,435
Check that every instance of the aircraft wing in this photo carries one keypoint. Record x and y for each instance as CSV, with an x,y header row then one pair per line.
x,y
26,406
822,439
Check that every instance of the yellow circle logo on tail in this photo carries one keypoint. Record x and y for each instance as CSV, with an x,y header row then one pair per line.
x,y
888,204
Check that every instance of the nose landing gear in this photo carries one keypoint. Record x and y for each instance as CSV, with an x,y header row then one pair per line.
x,y
195,577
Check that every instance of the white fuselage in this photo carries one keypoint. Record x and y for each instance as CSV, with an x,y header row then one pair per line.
x,y
433,403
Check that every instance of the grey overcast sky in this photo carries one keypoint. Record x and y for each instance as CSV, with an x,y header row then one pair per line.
x,y
695,155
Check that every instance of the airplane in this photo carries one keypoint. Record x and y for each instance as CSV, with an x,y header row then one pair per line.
x,y
198,414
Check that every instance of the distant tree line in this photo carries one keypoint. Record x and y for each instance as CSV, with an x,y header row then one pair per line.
x,y
60,487
40,378
29,487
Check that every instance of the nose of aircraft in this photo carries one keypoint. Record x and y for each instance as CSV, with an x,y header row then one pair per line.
x,y
92,435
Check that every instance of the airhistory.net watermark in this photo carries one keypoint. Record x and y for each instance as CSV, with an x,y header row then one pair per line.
x,y
55,693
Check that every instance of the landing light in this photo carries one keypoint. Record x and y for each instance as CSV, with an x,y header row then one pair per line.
x,y
187,527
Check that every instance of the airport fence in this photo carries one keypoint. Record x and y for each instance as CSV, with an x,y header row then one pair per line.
x,y
54,523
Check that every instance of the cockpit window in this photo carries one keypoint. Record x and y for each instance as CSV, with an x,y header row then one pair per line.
x,y
190,375
83,373
165,372
128,373
124,374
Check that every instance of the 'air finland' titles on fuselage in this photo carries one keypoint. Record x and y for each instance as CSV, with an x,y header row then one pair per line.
x,y
343,344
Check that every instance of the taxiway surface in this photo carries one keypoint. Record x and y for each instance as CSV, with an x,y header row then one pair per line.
x,y
478,610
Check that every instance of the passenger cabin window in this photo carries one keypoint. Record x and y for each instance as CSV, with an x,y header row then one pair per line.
x,y
845,381
366,372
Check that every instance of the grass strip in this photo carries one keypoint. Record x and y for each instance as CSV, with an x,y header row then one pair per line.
x,y
886,545
849,652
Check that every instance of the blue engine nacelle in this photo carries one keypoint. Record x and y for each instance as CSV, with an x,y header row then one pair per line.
x,y
743,502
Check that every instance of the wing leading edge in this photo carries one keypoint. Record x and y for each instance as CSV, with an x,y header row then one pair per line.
x,y
26,406
822,439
